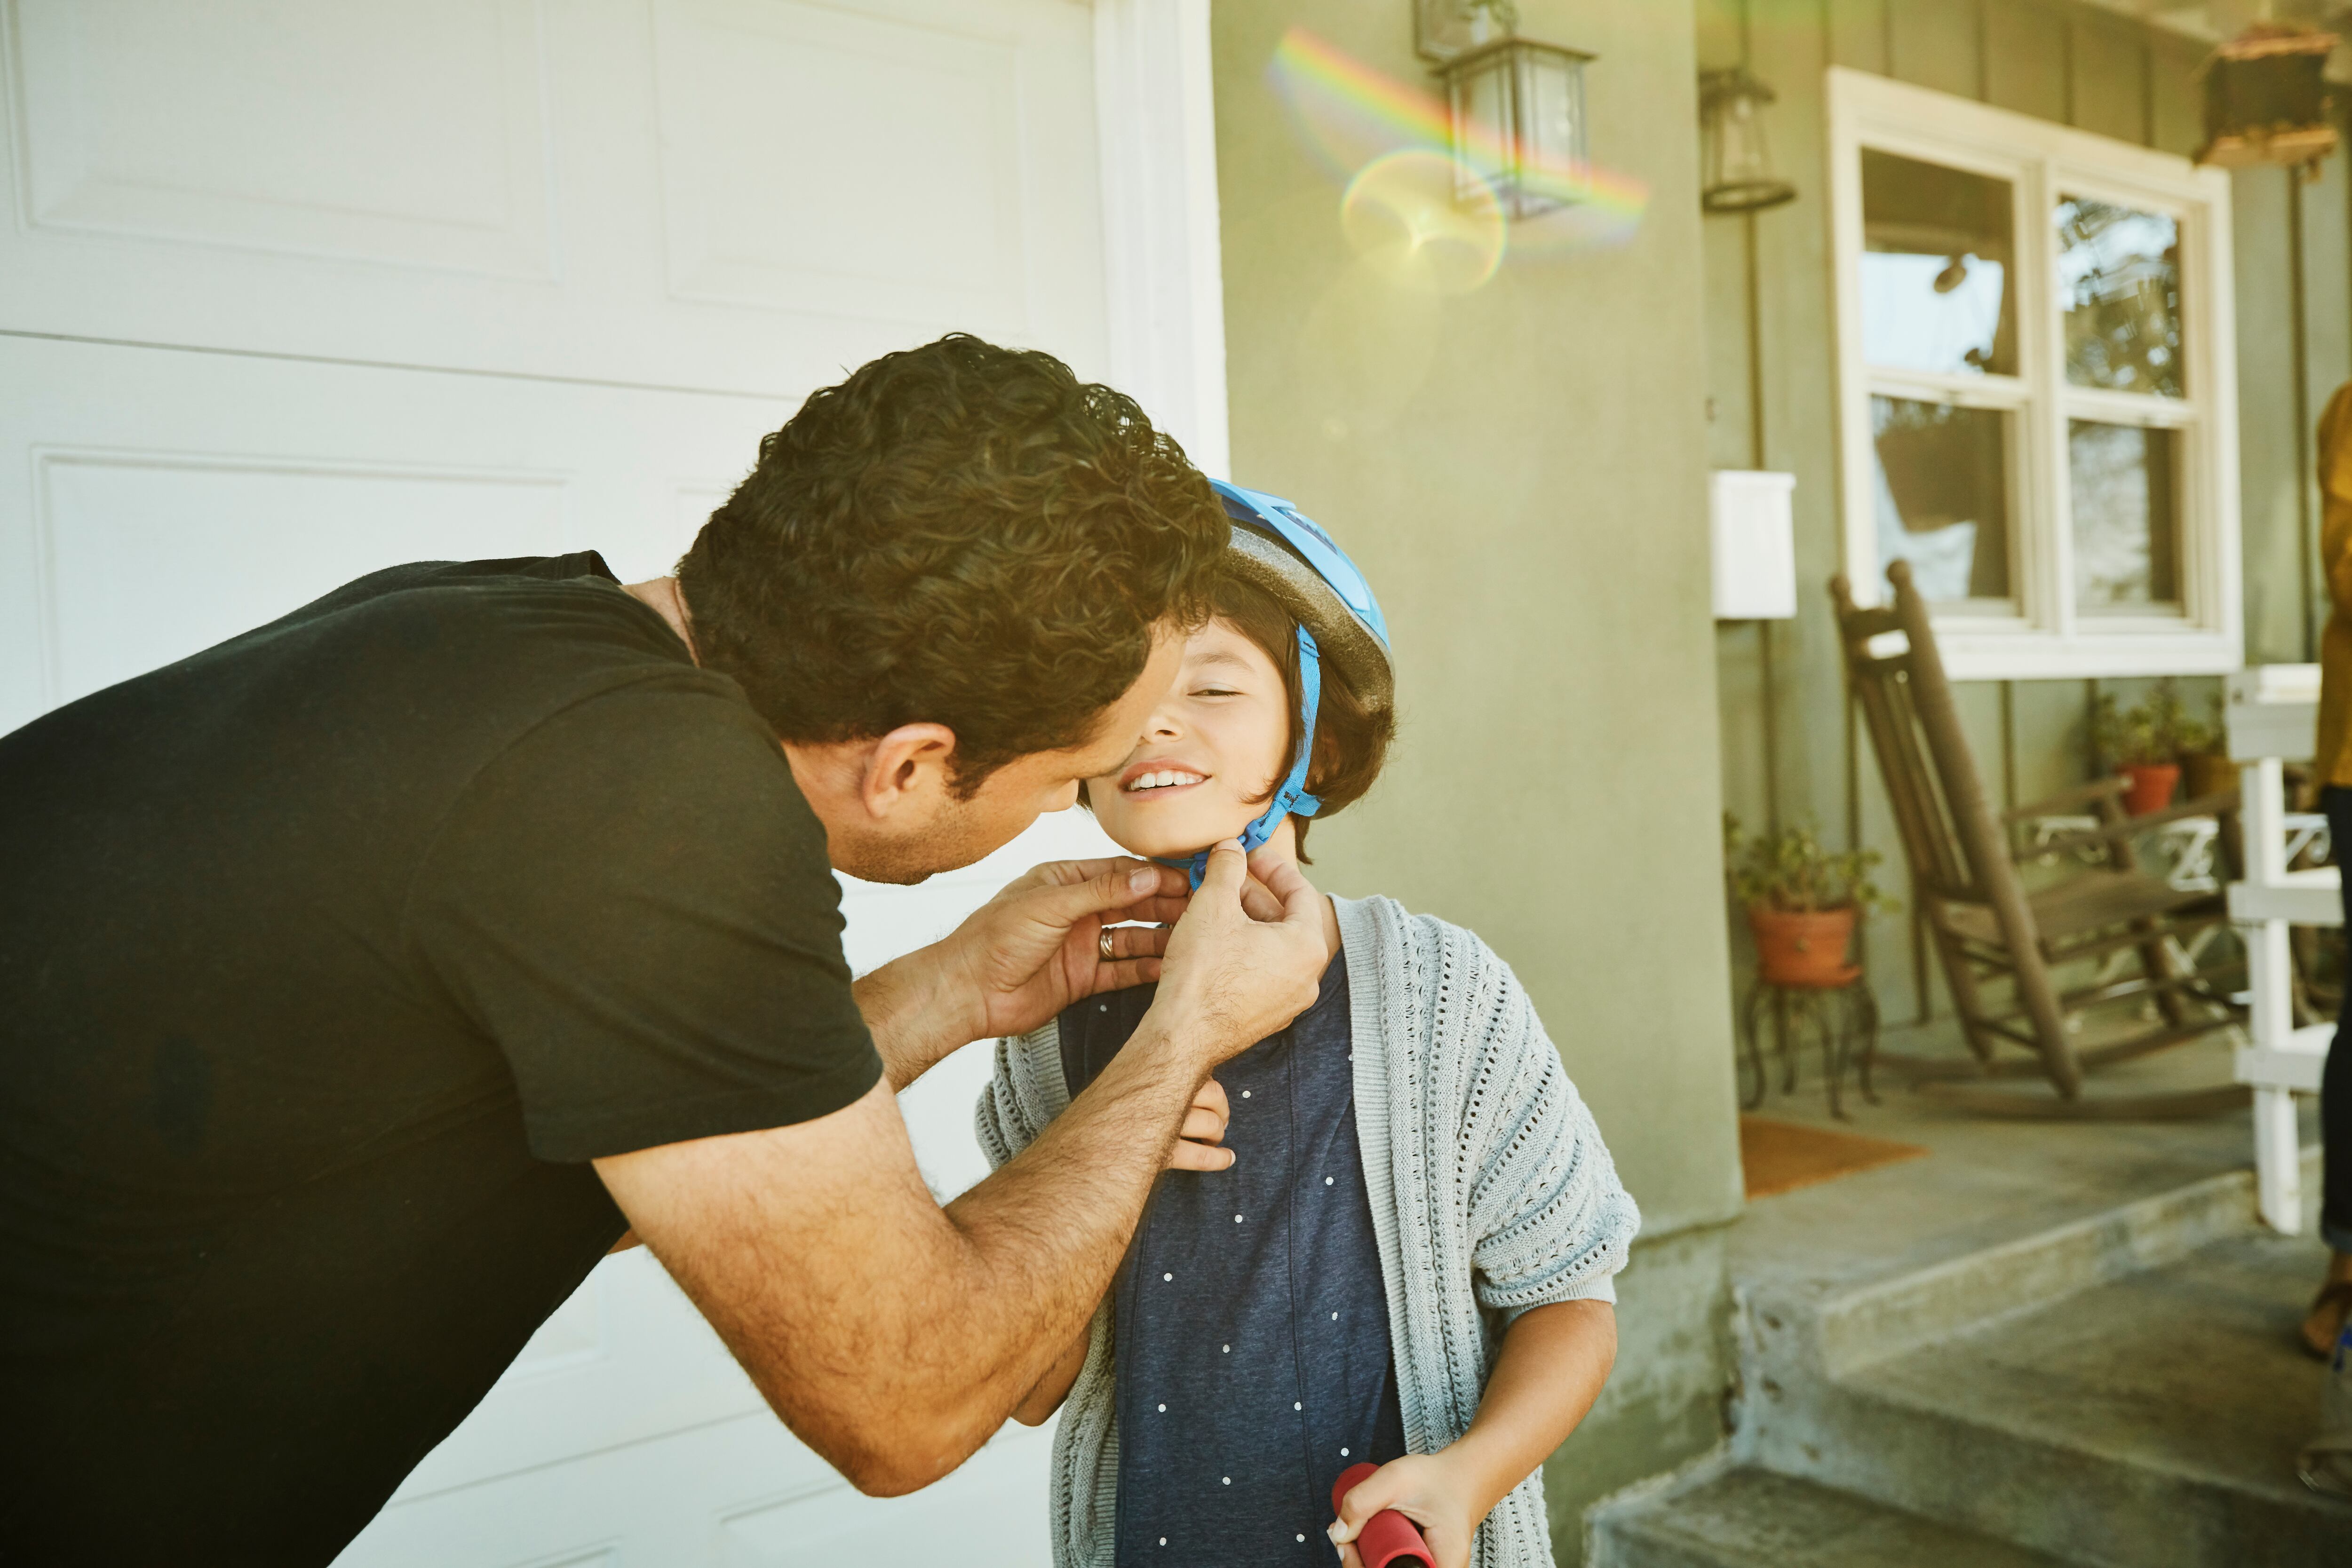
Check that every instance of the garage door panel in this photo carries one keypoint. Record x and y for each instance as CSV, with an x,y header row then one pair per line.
x,y
125,534
741,194
995,1518
726,1495
812,101
167,124
598,1557
633,1361
153,502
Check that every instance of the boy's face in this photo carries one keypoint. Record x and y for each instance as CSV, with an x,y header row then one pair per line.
x,y
1210,754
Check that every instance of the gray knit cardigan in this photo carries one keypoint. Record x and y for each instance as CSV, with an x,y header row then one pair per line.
x,y
1491,1193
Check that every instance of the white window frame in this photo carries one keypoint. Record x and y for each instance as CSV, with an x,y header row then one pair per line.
x,y
2049,636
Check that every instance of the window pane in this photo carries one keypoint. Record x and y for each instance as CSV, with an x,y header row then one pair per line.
x,y
1943,496
2126,515
1935,268
2119,280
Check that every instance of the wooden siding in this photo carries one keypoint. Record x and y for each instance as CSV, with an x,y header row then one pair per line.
x,y
2024,66
2065,62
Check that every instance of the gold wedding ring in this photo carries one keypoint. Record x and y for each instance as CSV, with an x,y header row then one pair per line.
x,y
1102,945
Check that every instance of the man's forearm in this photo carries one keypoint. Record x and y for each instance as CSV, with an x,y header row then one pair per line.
x,y
894,1336
915,1020
1041,1238
1040,1403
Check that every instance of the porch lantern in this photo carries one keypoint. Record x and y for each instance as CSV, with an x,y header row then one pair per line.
x,y
1519,123
2265,100
1736,173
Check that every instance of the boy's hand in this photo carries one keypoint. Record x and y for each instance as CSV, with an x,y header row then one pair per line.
x,y
1555,1358
1425,1490
1197,1146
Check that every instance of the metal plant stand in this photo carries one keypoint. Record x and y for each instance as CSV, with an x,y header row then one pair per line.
x,y
1844,1019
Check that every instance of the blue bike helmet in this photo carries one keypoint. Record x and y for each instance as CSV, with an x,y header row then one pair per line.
x,y
1278,549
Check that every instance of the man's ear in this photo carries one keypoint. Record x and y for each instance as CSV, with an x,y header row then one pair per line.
x,y
906,768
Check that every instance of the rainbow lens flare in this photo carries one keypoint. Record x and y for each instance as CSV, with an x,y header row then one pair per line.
x,y
1419,225
1356,117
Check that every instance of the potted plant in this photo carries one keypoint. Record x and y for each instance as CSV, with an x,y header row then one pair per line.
x,y
1802,901
2143,742
2205,766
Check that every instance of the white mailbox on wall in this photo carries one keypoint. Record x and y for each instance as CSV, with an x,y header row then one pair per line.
x,y
1755,545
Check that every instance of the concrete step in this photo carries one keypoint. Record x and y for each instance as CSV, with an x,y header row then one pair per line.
x,y
1747,1518
1823,1328
2148,1422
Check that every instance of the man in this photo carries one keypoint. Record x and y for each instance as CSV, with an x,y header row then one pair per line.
x,y
2323,1325
369,976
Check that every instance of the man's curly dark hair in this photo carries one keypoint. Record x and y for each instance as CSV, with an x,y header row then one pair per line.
x,y
958,534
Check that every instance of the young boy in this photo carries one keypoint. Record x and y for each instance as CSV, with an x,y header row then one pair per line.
x,y
1404,1254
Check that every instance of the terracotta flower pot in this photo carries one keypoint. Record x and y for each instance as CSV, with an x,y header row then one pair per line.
x,y
1804,948
2152,784
2207,773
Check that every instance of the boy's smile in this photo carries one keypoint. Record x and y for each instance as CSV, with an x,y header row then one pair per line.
x,y
1157,776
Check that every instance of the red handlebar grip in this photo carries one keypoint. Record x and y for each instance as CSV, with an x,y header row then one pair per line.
x,y
1388,1539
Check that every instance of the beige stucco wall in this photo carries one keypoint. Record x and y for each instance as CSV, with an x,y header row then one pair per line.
x,y
1522,472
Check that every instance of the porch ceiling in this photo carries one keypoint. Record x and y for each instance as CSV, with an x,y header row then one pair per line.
x,y
2211,21
2203,21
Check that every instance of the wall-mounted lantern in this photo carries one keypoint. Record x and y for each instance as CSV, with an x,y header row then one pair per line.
x,y
1444,28
1519,122
1517,106
1737,173
2266,101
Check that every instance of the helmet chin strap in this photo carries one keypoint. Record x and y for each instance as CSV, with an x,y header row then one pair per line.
x,y
1292,799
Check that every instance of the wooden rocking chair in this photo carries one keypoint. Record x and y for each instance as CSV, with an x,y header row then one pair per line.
x,y
1987,927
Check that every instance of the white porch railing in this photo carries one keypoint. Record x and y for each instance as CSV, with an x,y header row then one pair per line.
x,y
2273,712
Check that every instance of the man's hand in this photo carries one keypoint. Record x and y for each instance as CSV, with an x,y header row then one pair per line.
x,y
1229,979
1021,959
1033,948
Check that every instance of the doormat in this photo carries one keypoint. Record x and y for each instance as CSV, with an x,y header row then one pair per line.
x,y
1781,1156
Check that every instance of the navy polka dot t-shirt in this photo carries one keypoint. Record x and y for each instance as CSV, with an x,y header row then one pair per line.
x,y
1251,1324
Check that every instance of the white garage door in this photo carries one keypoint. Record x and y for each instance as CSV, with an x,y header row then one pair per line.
x,y
293,291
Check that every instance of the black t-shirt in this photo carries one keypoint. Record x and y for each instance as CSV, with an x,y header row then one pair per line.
x,y
328,958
